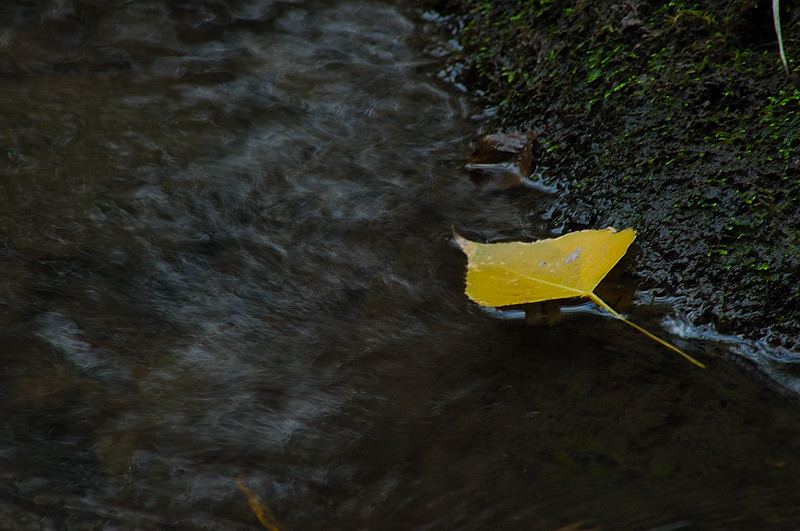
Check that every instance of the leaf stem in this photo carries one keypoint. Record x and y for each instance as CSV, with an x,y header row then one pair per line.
x,y
600,302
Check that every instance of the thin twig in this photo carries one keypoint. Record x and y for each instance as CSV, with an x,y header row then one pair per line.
x,y
776,18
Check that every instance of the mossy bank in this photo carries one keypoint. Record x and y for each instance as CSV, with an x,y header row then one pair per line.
x,y
675,118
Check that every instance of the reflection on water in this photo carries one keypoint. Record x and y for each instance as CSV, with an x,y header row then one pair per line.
x,y
225,252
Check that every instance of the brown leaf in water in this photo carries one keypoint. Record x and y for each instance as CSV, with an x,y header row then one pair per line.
x,y
500,161
262,512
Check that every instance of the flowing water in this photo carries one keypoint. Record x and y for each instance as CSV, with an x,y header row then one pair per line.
x,y
225,255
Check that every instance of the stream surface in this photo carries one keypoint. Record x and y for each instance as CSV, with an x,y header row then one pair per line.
x,y
225,252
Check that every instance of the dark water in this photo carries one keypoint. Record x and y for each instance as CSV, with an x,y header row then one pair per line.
x,y
225,252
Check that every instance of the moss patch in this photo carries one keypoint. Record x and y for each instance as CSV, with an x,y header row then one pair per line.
x,y
674,118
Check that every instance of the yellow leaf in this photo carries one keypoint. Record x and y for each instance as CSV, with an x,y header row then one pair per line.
x,y
505,274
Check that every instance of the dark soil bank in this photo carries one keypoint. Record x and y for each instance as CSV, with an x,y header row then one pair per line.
x,y
674,118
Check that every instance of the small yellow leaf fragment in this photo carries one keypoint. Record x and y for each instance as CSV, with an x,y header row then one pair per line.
x,y
262,512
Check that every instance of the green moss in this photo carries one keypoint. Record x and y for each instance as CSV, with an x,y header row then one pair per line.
x,y
677,117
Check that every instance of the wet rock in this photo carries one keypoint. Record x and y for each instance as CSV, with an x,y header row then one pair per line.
x,y
501,161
